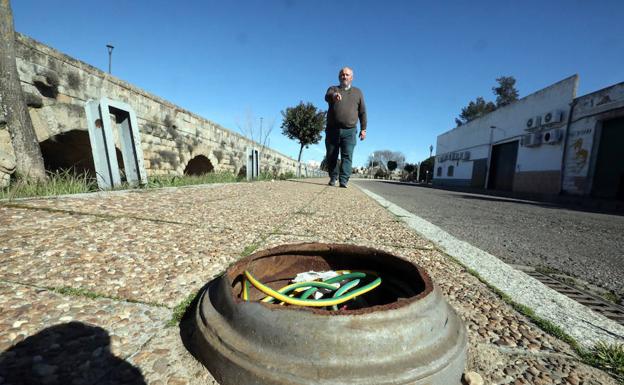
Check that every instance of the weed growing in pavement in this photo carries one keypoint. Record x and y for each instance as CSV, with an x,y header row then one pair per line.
x,y
611,296
66,290
180,310
249,249
607,357
76,292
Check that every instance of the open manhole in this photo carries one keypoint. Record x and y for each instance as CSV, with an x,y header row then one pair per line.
x,y
401,332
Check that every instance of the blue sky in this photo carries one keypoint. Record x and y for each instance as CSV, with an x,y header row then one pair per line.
x,y
418,63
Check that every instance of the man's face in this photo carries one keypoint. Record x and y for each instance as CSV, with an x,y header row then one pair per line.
x,y
346,77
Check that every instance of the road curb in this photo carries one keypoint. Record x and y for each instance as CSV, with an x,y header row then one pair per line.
x,y
584,325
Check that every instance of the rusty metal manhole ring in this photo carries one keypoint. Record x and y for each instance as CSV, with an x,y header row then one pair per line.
x,y
408,336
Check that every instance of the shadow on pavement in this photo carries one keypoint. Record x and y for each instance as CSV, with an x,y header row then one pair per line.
x,y
66,354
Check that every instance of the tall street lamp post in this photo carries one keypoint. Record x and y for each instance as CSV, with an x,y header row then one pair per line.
x,y
110,55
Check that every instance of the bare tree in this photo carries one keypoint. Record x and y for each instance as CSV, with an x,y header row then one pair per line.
x,y
382,157
256,130
29,161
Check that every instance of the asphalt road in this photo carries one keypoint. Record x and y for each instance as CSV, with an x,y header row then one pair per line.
x,y
581,244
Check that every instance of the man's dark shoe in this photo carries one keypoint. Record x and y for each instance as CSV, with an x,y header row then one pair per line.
x,y
332,182
343,185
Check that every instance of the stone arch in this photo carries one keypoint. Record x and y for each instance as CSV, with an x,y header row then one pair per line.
x,y
71,151
68,150
202,149
242,172
199,165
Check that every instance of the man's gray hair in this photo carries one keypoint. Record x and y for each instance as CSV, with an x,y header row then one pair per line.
x,y
346,68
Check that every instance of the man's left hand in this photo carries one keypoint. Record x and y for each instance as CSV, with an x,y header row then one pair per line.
x,y
362,135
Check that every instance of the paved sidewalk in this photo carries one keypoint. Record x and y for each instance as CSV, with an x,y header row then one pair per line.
x,y
88,283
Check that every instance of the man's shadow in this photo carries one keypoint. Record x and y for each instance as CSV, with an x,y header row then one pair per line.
x,y
66,354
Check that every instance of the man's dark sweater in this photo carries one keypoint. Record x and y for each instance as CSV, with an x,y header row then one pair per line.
x,y
345,113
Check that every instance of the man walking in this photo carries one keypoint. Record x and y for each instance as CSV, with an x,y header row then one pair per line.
x,y
346,106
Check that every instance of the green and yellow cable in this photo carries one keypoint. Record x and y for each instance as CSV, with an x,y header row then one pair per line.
x,y
336,279
307,302
301,285
345,288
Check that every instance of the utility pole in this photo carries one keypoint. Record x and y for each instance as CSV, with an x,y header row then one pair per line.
x,y
260,138
110,56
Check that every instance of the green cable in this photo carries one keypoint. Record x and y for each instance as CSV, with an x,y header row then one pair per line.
x,y
336,279
345,288
245,293
291,287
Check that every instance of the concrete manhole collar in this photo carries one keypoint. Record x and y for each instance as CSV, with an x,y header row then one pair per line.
x,y
407,333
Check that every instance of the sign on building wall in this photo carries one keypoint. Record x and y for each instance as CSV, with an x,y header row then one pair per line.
x,y
461,155
579,149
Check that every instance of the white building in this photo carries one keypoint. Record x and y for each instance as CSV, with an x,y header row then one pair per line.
x,y
549,142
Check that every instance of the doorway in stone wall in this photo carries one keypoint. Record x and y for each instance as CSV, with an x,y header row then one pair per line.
x,y
608,181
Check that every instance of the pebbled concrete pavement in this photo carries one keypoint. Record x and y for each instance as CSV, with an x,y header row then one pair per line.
x,y
88,283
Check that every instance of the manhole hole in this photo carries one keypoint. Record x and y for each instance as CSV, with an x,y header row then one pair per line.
x,y
402,332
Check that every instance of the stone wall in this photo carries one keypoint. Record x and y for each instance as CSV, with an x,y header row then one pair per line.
x,y
56,87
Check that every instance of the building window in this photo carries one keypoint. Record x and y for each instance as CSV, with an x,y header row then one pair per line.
x,y
450,170
439,171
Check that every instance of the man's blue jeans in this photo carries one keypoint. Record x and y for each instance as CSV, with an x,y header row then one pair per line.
x,y
340,140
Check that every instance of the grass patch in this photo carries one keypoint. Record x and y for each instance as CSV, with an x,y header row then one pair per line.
x,y
611,296
69,182
57,183
248,250
272,175
190,180
180,310
75,292
609,358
